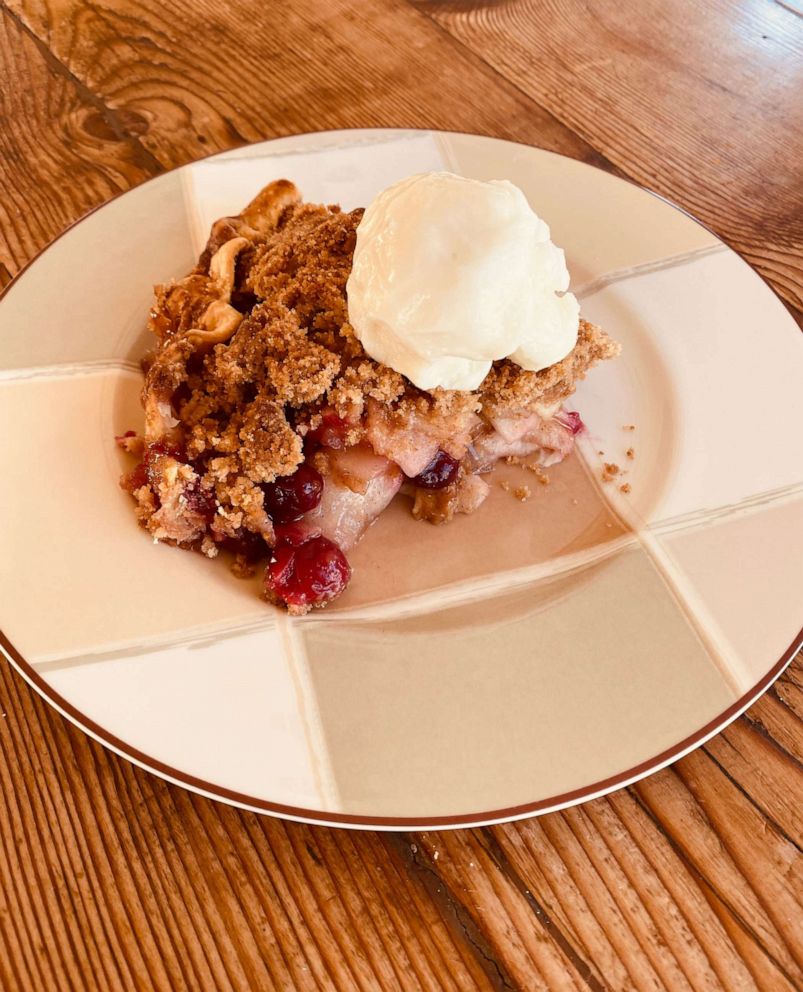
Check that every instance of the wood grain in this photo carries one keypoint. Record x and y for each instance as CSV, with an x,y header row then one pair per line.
x,y
111,879
62,151
182,82
691,99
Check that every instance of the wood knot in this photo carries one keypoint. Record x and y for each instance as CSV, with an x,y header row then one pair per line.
x,y
114,125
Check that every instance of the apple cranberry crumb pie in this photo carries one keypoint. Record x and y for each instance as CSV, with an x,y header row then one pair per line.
x,y
271,433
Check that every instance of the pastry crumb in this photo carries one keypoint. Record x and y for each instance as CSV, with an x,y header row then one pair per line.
x,y
630,453
610,471
538,472
624,488
628,427
522,493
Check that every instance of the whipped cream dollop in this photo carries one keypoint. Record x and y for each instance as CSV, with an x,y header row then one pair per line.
x,y
450,274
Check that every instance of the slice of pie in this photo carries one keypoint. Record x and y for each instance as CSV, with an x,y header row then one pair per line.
x,y
270,432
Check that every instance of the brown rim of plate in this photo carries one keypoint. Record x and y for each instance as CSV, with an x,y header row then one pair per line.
x,y
402,822
602,787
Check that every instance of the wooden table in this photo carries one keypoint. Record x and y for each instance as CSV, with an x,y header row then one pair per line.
x,y
110,878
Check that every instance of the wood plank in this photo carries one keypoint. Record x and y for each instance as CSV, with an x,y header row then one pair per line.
x,y
788,690
699,102
61,149
110,878
763,771
780,722
536,956
222,79
729,845
121,875
626,896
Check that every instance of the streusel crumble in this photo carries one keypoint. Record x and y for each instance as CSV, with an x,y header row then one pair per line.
x,y
271,433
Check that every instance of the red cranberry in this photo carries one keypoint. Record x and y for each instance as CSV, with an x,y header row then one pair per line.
x,y
439,473
164,447
251,546
294,533
291,496
308,574
136,478
142,475
571,420
201,501
331,433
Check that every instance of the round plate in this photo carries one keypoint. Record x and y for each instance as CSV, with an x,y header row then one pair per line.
x,y
527,657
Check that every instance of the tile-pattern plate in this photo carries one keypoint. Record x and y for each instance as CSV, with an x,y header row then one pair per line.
x,y
525,657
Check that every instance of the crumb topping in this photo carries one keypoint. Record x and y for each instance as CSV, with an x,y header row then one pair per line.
x,y
254,351
507,386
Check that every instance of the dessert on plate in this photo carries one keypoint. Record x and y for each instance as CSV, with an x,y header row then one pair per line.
x,y
317,362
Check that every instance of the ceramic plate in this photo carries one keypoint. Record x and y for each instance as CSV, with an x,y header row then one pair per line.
x,y
522,659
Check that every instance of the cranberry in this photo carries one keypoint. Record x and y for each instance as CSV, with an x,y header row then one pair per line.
x,y
291,496
439,473
162,447
251,546
169,448
308,574
294,533
121,438
136,478
142,475
201,501
571,420
331,433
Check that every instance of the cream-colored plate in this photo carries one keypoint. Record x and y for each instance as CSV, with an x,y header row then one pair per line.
x,y
527,657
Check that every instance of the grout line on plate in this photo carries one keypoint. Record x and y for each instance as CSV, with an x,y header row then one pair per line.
x,y
750,504
719,648
295,657
449,596
64,370
475,590
249,152
717,645
194,638
645,268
